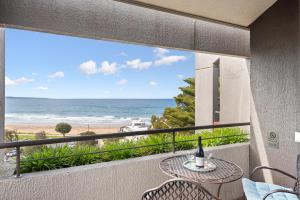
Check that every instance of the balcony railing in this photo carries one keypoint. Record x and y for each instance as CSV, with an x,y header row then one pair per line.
x,y
18,144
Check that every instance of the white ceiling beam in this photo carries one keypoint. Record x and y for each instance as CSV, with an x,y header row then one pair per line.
x,y
238,12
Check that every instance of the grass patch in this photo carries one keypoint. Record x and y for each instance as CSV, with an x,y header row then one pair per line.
x,y
48,158
29,136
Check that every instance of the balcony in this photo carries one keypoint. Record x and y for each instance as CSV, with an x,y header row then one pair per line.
x,y
265,32
120,179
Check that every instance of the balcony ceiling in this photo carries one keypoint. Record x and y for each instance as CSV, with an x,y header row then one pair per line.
x,y
239,12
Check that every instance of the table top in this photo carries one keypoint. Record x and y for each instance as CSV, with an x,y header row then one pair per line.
x,y
224,173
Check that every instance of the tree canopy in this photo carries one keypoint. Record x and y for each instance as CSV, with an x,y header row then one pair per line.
x,y
63,128
183,114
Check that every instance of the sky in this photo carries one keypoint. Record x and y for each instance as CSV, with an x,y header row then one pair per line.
x,y
56,66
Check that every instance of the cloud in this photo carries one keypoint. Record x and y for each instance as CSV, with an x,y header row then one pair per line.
x,y
137,64
10,82
23,80
33,73
88,67
152,83
180,76
160,52
167,60
42,88
57,75
108,68
122,82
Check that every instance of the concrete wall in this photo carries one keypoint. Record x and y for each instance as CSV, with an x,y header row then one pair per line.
x,y
234,89
107,19
117,180
275,87
2,81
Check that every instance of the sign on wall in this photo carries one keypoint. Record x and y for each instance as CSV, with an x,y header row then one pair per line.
x,y
273,140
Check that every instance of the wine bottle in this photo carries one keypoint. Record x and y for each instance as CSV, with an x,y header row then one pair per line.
x,y
199,154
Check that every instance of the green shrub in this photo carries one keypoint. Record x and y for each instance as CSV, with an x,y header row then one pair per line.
x,y
40,135
152,141
48,158
88,142
117,152
216,137
111,140
10,135
63,128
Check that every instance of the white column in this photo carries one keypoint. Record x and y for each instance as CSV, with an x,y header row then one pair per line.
x,y
204,88
234,89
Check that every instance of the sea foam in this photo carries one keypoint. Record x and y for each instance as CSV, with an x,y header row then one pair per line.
x,y
16,118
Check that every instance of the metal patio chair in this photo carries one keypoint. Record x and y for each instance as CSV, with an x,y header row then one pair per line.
x,y
266,191
178,189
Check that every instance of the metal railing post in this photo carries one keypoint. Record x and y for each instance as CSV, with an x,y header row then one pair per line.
x,y
173,142
18,160
4,145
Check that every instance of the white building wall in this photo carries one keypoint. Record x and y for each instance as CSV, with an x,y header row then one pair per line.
x,y
204,88
234,89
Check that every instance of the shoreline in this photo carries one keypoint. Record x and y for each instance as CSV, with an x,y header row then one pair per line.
x,y
76,129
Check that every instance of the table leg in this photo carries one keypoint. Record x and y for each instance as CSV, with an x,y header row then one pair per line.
x,y
219,190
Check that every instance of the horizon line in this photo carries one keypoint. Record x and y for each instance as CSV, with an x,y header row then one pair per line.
x,y
89,98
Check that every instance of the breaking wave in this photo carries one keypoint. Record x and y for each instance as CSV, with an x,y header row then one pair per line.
x,y
16,118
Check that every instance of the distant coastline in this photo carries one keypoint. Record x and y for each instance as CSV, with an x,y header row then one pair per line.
x,y
28,114
11,97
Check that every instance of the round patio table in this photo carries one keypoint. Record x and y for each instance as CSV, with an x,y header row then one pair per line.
x,y
225,172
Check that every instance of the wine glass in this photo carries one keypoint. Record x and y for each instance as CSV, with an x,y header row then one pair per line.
x,y
210,155
190,155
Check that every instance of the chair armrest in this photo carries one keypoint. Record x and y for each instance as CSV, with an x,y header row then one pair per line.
x,y
272,169
279,190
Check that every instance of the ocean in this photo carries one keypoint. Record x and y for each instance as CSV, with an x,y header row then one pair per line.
x,y
82,111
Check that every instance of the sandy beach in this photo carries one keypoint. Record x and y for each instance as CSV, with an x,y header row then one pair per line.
x,y
33,115
49,129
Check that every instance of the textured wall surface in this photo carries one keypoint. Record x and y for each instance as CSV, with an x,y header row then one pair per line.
x,y
117,180
106,19
218,38
275,86
2,81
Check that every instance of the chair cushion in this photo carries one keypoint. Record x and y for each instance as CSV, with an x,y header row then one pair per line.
x,y
257,190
